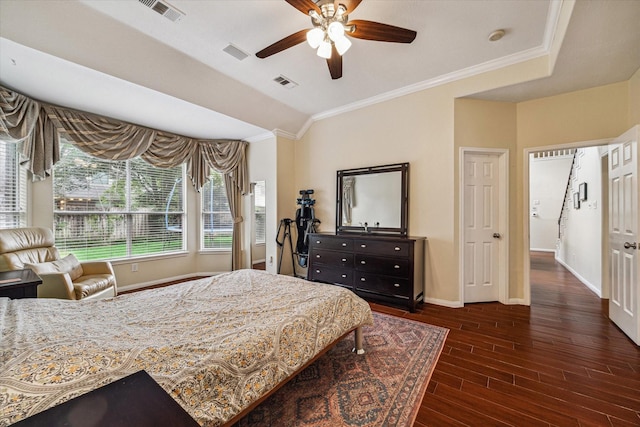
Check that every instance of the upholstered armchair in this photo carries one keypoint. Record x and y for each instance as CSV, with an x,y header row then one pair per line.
x,y
66,278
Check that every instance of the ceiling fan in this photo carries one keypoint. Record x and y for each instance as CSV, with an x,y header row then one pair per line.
x,y
331,25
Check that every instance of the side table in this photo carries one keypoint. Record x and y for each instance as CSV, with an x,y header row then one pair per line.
x,y
19,284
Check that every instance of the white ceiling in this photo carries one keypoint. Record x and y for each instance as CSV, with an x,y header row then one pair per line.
x,y
121,59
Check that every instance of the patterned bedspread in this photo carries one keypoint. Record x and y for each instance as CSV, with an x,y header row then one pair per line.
x,y
215,345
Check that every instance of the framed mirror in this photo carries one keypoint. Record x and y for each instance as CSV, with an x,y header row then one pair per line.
x,y
373,200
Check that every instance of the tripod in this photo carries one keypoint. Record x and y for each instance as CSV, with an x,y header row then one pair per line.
x,y
286,222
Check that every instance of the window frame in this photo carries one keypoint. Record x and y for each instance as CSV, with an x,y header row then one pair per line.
x,y
20,189
202,213
129,214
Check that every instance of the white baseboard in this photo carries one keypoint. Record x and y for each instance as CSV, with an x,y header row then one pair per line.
x,y
135,286
515,301
541,250
444,303
584,281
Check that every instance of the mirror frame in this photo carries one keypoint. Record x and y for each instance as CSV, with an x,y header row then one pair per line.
x,y
404,202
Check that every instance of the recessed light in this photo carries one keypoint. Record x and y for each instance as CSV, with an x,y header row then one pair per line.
x,y
496,35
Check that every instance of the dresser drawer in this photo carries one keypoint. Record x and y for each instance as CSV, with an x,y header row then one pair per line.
x,y
331,242
341,259
380,247
391,286
388,266
338,276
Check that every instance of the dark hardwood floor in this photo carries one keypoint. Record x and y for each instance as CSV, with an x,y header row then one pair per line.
x,y
560,362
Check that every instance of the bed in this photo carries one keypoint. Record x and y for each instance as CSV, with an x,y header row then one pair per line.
x,y
216,345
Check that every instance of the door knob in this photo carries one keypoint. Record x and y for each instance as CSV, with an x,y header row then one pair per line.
x,y
496,235
628,245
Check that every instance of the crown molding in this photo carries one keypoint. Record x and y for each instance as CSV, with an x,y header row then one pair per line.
x,y
554,18
492,65
261,137
285,134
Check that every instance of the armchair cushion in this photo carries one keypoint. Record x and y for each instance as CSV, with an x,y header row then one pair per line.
x,y
68,264
26,245
92,284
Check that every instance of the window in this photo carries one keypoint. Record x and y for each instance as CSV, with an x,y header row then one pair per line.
x,y
13,187
217,223
106,209
259,219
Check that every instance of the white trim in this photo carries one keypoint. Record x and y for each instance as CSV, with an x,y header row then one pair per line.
x,y
550,36
503,164
543,250
492,65
135,286
262,137
444,303
584,281
526,280
285,134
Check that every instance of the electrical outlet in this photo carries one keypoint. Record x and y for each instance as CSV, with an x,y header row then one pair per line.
x,y
134,267
270,260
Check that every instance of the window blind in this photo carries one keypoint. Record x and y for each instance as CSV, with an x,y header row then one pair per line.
x,y
259,213
106,209
217,223
13,187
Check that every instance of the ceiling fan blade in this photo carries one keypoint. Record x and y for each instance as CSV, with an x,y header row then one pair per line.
x,y
304,6
369,30
285,43
335,64
349,4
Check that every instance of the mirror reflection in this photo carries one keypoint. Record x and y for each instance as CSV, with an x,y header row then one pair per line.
x,y
373,199
362,196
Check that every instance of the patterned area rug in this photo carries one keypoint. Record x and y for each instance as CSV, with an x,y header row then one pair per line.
x,y
383,387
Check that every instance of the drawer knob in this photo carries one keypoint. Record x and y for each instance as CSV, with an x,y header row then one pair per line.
x,y
363,245
344,260
396,266
344,244
397,285
317,256
362,279
318,241
396,248
344,276
363,262
317,271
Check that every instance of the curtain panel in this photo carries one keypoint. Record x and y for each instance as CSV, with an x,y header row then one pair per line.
x,y
40,126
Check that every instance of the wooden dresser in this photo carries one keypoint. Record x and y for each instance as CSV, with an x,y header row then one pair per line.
x,y
381,268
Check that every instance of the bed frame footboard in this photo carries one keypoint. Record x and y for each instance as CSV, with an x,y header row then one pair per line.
x,y
359,348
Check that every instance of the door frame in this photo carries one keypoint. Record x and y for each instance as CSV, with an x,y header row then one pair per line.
x,y
526,208
503,206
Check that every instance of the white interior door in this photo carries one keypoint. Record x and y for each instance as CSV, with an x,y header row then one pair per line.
x,y
482,233
624,223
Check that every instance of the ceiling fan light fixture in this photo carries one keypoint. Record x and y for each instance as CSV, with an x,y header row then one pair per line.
x,y
315,37
342,45
324,50
335,31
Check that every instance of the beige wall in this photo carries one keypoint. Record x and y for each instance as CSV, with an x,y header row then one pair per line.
x,y
428,127
634,99
486,124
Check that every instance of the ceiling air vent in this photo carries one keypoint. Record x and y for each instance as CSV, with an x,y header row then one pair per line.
x,y
285,81
235,52
165,9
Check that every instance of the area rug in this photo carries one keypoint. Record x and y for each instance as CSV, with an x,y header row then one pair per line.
x,y
383,387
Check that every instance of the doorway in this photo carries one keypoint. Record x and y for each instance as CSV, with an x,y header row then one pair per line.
x,y
597,232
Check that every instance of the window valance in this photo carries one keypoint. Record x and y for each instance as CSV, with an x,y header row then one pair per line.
x,y
39,126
